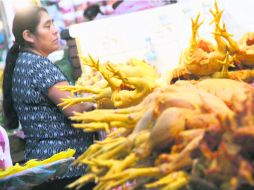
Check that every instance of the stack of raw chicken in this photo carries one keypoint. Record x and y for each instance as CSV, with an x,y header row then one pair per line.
x,y
174,134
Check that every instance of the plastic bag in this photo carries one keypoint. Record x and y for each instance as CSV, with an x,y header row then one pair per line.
x,y
27,179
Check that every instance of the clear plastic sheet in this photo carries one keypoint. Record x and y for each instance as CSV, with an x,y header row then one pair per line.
x,y
31,177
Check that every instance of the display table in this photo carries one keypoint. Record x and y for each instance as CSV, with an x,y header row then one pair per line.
x,y
27,179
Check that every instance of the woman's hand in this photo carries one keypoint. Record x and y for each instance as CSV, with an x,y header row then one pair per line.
x,y
56,96
89,106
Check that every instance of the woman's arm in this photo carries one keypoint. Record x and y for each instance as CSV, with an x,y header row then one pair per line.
x,y
55,95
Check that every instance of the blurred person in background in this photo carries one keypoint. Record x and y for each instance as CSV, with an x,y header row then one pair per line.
x,y
125,6
91,12
117,7
31,96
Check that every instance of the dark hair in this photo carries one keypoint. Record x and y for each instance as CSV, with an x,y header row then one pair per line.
x,y
25,19
116,4
91,12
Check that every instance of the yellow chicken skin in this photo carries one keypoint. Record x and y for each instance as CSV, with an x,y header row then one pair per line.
x,y
180,115
202,57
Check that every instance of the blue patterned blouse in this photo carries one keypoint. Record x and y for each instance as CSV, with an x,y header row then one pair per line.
x,y
47,130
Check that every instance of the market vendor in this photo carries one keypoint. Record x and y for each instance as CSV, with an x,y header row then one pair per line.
x,y
31,95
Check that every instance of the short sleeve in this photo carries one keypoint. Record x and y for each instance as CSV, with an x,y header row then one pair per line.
x,y
45,74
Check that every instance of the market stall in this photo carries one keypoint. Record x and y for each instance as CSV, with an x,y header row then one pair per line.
x,y
187,128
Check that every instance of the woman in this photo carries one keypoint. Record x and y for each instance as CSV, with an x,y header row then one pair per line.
x,y
31,95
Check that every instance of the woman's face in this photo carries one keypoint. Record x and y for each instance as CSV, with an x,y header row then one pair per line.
x,y
46,36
